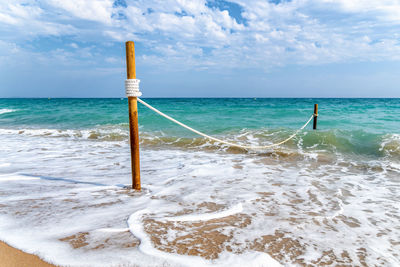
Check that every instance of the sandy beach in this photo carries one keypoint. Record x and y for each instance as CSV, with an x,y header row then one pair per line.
x,y
12,257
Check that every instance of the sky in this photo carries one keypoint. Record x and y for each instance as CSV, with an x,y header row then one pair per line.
x,y
201,48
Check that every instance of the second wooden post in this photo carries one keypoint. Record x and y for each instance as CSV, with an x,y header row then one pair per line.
x,y
133,117
315,116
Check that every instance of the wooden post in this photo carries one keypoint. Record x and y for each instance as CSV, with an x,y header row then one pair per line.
x,y
315,116
133,117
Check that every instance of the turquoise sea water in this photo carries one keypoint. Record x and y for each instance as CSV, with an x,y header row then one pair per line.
x,y
350,125
213,114
326,197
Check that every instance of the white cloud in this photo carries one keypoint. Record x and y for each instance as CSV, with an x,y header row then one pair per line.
x,y
5,18
93,10
112,59
25,19
388,10
190,33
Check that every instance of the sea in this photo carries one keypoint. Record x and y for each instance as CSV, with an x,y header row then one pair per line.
x,y
329,196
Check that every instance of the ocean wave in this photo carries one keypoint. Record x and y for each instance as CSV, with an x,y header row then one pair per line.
x,y
306,143
391,145
6,110
105,134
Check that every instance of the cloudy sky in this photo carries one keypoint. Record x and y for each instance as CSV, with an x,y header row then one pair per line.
x,y
201,48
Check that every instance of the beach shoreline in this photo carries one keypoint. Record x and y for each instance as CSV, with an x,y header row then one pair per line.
x,y
65,174
12,257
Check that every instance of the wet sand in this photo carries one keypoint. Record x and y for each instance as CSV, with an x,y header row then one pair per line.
x,y
12,257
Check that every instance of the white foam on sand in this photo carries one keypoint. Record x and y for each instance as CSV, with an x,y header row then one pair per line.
x,y
3,165
15,177
226,259
207,216
53,189
112,230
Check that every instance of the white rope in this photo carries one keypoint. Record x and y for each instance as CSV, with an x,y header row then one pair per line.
x,y
132,88
222,141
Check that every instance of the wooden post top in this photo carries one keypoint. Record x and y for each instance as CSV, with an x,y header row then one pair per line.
x,y
130,60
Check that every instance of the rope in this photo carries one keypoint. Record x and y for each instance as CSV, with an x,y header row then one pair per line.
x,y
222,141
132,88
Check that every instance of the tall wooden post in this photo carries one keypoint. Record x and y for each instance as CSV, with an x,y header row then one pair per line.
x,y
133,117
315,116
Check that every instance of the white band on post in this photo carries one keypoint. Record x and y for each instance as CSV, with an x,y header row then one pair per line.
x,y
132,88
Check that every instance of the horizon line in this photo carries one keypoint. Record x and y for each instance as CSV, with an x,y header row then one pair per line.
x,y
200,97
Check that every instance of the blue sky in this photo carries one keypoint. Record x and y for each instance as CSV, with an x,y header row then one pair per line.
x,y
200,48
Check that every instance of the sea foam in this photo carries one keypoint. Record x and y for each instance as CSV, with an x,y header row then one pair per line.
x,y
6,110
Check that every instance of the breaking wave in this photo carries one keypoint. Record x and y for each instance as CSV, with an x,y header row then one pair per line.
x,y
333,141
6,110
